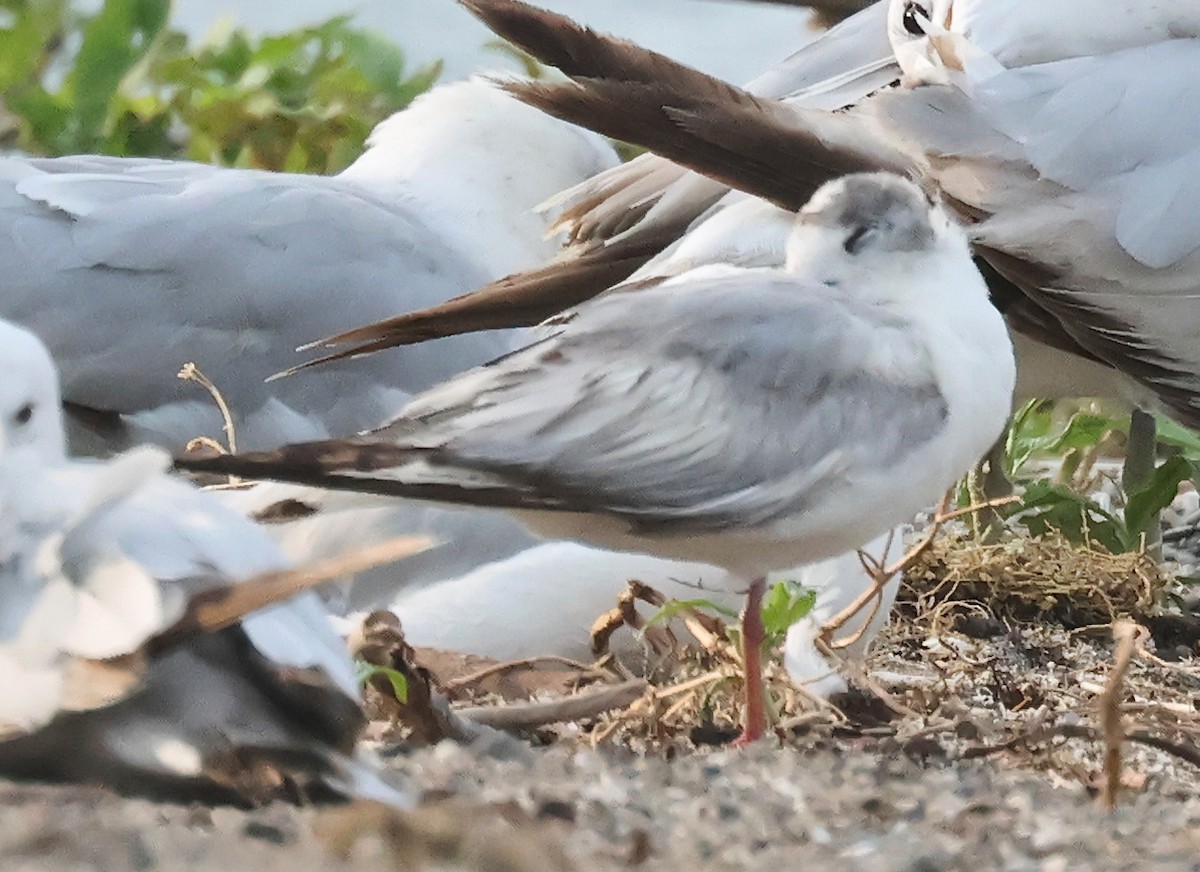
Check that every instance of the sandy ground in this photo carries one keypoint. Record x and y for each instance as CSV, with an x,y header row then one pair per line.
x,y
855,808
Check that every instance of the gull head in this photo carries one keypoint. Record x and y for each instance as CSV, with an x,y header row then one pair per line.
x,y
930,40
870,225
913,25
30,413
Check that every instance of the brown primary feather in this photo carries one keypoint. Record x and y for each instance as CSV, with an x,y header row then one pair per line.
x,y
756,146
514,301
1090,332
579,51
653,101
725,133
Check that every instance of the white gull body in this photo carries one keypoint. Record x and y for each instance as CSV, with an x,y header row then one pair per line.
x,y
97,557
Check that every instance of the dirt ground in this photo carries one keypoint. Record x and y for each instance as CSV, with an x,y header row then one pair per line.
x,y
974,742
830,808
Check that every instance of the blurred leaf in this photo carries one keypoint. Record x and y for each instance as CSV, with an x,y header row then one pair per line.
x,y
366,671
113,41
676,607
530,65
1172,433
1144,504
28,38
785,603
1030,425
302,101
1046,506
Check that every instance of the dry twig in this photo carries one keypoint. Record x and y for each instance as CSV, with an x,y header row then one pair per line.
x,y
1125,633
524,716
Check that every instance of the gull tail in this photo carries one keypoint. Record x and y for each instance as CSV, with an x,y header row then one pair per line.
x,y
373,467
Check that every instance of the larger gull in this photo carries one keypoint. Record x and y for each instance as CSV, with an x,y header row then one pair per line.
x,y
752,419
98,557
1057,295
130,268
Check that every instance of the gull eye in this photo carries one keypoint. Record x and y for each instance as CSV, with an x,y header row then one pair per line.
x,y
854,241
24,414
912,23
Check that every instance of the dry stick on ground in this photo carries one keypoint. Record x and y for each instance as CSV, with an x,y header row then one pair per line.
x,y
571,708
191,372
881,575
625,614
1126,634
457,684
1180,750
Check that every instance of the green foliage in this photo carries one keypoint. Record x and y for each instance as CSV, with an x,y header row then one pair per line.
x,y
1046,506
1061,506
785,603
674,608
302,101
399,683
1033,433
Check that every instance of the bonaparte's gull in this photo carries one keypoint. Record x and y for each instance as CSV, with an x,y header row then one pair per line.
x,y
753,419
1073,254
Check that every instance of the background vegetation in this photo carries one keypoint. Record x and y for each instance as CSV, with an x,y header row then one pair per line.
x,y
122,81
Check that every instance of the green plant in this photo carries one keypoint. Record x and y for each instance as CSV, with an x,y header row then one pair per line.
x,y
785,603
399,683
302,101
1063,505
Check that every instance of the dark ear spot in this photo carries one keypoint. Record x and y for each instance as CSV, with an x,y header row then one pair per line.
x,y
854,240
24,414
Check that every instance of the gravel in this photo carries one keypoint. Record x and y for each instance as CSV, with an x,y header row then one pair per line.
x,y
836,807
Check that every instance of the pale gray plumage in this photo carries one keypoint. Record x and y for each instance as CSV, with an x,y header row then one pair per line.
x,y
749,418
130,268
1085,195
613,448
724,401
193,234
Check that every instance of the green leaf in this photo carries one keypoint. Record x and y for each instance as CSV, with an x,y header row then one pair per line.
x,y
113,42
1046,506
366,671
1030,423
785,603
1172,433
1144,503
675,607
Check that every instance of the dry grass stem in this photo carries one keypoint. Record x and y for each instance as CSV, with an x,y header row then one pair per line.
x,y
1126,634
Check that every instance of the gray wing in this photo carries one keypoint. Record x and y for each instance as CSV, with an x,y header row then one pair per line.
x,y
716,400
128,274
1083,176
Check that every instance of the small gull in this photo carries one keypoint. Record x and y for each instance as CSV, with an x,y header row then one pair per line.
x,y
753,419
129,268
96,558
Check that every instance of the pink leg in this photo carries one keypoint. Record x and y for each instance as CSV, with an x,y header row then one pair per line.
x,y
753,636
